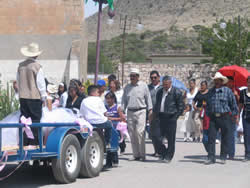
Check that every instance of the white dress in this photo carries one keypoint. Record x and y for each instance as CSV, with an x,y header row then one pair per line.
x,y
119,95
10,136
63,99
189,123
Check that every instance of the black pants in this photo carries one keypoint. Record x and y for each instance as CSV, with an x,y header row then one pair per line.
x,y
224,123
246,128
155,134
31,108
122,146
112,158
168,124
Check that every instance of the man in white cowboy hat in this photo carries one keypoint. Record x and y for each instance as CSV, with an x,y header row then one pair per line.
x,y
32,88
137,101
222,110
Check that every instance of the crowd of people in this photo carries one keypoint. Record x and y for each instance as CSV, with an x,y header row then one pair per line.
x,y
209,114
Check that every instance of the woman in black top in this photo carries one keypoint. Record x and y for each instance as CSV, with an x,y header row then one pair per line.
x,y
74,100
198,102
245,105
201,96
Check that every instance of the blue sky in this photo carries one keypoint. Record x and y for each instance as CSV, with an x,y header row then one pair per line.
x,y
90,8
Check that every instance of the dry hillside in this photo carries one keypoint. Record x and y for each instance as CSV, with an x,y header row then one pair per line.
x,y
162,14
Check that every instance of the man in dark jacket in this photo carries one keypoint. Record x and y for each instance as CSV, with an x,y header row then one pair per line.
x,y
169,106
155,134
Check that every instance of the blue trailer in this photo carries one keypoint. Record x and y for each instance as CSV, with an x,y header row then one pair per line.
x,y
72,153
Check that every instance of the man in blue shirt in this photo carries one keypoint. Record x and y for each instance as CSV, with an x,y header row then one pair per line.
x,y
222,110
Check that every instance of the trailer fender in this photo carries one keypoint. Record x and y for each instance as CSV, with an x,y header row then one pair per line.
x,y
56,137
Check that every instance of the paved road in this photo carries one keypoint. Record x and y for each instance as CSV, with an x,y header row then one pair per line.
x,y
186,171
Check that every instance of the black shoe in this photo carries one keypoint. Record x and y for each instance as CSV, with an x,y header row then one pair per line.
x,y
209,161
161,158
166,160
231,158
153,154
107,166
134,159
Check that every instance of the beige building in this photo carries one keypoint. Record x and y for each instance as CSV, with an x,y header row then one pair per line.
x,y
58,26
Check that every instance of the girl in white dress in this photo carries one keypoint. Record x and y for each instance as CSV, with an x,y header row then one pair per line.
x,y
189,127
63,94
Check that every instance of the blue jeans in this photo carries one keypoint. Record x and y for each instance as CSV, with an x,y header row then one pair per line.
x,y
231,148
108,130
205,139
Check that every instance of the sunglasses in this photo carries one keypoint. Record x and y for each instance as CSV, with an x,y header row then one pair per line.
x,y
153,77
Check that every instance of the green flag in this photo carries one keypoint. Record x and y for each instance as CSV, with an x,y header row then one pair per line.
x,y
111,4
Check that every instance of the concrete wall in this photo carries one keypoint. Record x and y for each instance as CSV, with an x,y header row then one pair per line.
x,y
40,16
56,25
54,70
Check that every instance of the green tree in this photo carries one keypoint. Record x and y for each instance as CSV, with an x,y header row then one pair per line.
x,y
105,63
226,41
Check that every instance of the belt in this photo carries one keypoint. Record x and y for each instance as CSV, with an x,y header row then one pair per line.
x,y
135,110
219,114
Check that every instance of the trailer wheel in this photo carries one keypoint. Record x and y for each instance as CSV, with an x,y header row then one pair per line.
x,y
92,155
66,167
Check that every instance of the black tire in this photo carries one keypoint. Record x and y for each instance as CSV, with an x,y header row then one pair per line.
x,y
92,156
67,170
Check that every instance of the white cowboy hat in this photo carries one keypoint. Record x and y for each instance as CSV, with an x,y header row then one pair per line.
x,y
52,89
32,50
134,71
218,75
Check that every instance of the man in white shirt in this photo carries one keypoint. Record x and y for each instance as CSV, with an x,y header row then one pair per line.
x,y
137,101
93,110
31,88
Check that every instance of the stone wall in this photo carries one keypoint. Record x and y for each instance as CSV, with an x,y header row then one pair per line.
x,y
182,72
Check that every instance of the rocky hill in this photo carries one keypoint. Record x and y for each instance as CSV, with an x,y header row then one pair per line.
x,y
164,14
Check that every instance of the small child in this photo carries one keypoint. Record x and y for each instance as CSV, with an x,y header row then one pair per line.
x,y
184,128
115,115
93,110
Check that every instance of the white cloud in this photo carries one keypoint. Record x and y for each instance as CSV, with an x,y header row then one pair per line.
x,y
91,8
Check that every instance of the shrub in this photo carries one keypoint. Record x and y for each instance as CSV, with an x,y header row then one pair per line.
x,y
8,102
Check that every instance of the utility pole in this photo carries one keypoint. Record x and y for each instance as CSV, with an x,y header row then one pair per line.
x,y
125,25
98,41
123,47
240,55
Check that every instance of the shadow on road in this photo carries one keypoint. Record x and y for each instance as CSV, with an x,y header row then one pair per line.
x,y
27,177
191,161
194,159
